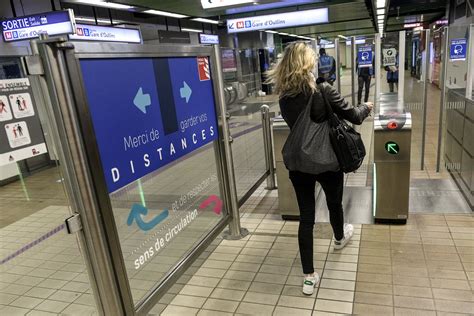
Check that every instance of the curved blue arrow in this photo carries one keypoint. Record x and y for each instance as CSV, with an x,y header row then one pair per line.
x,y
138,211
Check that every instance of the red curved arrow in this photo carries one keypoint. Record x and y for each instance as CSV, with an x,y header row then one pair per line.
x,y
213,199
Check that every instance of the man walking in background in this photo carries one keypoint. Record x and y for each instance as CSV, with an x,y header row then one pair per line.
x,y
326,67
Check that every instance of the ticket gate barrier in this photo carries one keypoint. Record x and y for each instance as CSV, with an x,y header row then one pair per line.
x,y
287,203
392,146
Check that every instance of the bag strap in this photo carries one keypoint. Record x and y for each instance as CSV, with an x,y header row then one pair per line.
x,y
326,102
332,117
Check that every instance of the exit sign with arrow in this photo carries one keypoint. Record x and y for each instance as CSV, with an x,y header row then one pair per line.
x,y
392,148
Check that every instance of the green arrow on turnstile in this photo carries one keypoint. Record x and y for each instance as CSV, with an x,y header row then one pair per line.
x,y
392,148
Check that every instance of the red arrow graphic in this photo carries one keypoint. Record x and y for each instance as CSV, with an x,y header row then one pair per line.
x,y
213,199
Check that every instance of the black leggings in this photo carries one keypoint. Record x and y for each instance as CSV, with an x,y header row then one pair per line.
x,y
304,184
364,80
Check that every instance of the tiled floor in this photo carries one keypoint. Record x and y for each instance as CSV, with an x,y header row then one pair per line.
x,y
423,268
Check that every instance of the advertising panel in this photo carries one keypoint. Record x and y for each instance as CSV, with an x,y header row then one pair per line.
x,y
148,112
20,128
229,63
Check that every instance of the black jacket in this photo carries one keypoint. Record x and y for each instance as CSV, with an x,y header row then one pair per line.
x,y
291,107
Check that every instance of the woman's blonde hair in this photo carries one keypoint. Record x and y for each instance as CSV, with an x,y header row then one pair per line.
x,y
293,74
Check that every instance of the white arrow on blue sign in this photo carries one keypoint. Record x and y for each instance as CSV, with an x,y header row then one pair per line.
x,y
185,91
141,100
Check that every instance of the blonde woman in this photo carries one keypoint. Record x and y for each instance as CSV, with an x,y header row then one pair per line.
x,y
295,83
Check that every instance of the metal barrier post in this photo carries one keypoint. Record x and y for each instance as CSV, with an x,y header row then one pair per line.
x,y
353,69
337,59
444,61
268,146
401,66
426,71
235,231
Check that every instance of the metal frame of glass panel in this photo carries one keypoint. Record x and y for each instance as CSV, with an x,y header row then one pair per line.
x,y
84,178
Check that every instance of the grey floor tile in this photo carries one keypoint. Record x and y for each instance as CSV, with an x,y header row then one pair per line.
x,y
255,309
220,305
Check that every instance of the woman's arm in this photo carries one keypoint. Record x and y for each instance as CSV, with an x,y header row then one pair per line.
x,y
344,109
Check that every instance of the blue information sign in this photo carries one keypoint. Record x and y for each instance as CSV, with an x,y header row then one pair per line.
x,y
364,56
148,112
457,50
30,26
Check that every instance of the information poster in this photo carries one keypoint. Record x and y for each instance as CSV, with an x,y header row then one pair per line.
x,y
457,49
389,56
229,63
20,127
364,56
148,112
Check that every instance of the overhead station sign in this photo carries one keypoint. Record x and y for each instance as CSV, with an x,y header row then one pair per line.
x,y
208,38
148,112
106,34
275,21
30,26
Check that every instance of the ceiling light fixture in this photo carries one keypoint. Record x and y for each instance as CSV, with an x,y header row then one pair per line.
x,y
342,36
185,29
92,20
205,20
106,4
380,11
380,4
273,32
169,14
284,34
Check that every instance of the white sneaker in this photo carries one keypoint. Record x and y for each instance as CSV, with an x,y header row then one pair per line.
x,y
309,283
348,232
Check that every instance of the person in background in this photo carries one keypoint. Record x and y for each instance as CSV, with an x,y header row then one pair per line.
x,y
295,84
364,75
392,75
326,67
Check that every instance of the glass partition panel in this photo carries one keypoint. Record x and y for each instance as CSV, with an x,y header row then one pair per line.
x,y
42,268
157,137
245,94
365,70
346,66
390,63
455,148
415,74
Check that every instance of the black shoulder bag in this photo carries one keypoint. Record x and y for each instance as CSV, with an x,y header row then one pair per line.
x,y
346,142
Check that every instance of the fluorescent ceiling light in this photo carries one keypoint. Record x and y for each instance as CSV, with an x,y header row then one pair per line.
x,y
205,20
81,19
190,30
381,4
380,17
342,36
106,4
283,33
380,11
163,13
273,32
